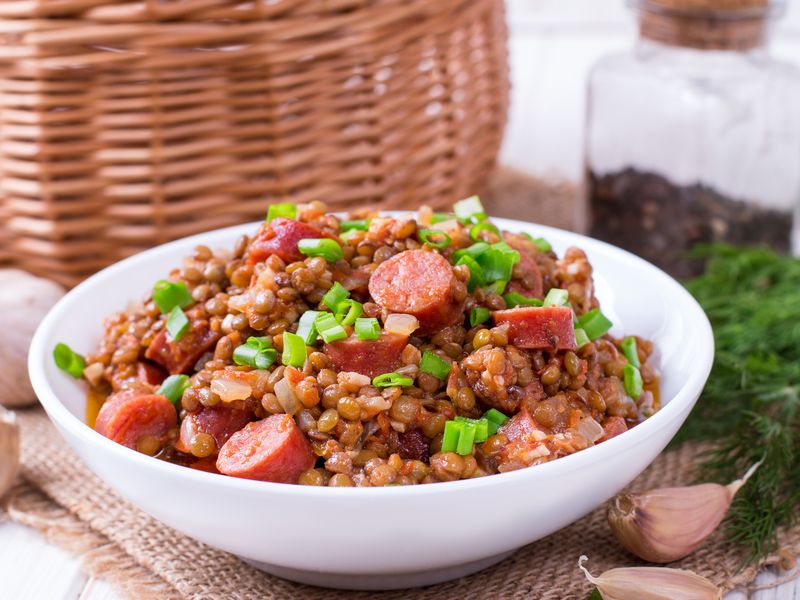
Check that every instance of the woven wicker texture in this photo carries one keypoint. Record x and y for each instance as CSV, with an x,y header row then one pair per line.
x,y
126,124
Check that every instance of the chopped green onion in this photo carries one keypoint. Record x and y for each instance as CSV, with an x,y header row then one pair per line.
x,y
177,323
294,350
631,351
469,207
476,231
329,329
581,339
441,217
594,323
328,249
69,361
359,224
452,431
169,294
473,251
434,364
348,311
498,262
478,315
476,278
434,238
481,428
516,299
334,296
256,352
391,380
495,420
306,329
466,439
498,287
542,244
368,328
287,210
633,381
261,343
173,387
556,297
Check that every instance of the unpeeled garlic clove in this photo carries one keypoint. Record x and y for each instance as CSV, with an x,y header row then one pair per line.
x,y
652,583
9,450
668,524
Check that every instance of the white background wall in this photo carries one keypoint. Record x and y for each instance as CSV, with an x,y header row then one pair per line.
x,y
553,43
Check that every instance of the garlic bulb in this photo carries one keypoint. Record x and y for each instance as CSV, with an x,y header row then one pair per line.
x,y
668,524
24,300
652,583
9,450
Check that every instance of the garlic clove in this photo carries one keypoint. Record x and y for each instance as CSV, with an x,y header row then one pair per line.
x,y
668,524
651,583
9,450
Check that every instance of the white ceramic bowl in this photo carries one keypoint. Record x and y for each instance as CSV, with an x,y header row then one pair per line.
x,y
381,538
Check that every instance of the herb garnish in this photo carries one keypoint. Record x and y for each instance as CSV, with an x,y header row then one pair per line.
x,y
750,408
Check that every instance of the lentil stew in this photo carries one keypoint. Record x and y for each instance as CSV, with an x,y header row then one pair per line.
x,y
367,351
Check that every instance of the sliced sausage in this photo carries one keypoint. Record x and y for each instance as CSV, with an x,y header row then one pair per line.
x,y
127,416
280,237
539,327
220,422
273,449
521,426
527,277
150,374
180,357
419,283
368,357
613,427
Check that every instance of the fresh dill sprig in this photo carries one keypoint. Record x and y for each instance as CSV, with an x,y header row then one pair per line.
x,y
750,407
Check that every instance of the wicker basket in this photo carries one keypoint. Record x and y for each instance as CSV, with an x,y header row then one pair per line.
x,y
124,124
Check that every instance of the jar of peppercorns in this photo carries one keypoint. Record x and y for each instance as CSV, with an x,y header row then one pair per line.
x,y
693,136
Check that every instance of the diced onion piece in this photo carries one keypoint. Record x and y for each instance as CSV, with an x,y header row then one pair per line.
x,y
230,390
240,302
286,397
401,324
590,429
93,373
424,215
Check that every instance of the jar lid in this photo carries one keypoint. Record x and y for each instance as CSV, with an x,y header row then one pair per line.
x,y
707,24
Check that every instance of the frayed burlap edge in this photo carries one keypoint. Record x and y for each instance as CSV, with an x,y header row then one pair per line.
x,y
74,509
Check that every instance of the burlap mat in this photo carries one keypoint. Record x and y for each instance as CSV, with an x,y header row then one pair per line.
x,y
146,560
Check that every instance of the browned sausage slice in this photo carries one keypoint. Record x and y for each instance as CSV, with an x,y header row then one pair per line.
x,y
280,237
180,357
127,416
368,357
419,283
273,449
220,422
539,327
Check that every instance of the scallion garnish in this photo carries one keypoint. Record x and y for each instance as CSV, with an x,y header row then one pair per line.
x,y
469,208
633,381
481,428
478,315
473,251
581,339
358,224
631,351
334,296
392,380
368,328
476,278
495,419
169,294
286,210
542,244
498,287
556,297
516,299
441,217
328,249
452,431
498,262
329,329
306,328
434,238
476,231
173,387
69,361
294,350
434,364
594,323
466,439
348,311
177,323
256,352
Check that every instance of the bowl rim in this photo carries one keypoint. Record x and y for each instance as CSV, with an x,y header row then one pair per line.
x,y
40,352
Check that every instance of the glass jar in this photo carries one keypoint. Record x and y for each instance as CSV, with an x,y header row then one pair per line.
x,y
694,135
